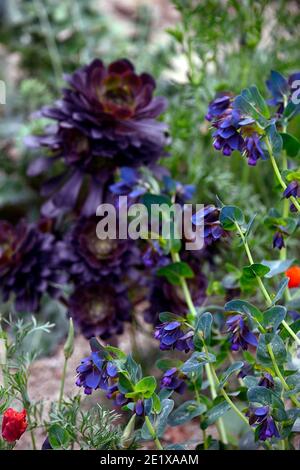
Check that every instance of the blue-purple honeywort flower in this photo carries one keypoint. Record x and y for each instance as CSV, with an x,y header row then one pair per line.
x,y
293,189
174,379
241,336
281,90
30,264
95,372
209,216
174,335
266,381
278,240
106,118
261,419
234,131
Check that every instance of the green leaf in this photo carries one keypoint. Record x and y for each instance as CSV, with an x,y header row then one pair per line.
x,y
195,361
275,139
166,364
217,411
203,326
95,345
277,346
277,266
169,317
273,317
290,144
261,395
282,286
231,369
253,96
174,272
125,385
146,386
59,437
167,406
241,306
229,216
156,403
245,102
255,270
186,412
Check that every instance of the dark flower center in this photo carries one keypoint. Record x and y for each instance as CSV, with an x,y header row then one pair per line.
x,y
101,249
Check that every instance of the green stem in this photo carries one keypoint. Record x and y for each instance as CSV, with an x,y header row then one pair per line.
x,y
223,392
280,376
62,383
278,175
193,312
31,430
153,433
261,284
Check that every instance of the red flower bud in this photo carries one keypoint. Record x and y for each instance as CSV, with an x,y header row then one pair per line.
x,y
293,274
14,424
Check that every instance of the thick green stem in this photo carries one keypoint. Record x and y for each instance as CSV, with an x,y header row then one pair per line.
x,y
193,312
153,433
62,383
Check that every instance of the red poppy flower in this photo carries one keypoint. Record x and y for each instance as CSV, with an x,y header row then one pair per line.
x,y
14,424
293,274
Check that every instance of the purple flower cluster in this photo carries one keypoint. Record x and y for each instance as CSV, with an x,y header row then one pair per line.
x,y
241,336
174,335
30,264
233,131
261,419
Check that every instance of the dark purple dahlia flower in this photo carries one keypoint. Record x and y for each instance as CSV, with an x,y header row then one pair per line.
x,y
173,379
241,336
260,417
266,381
95,372
174,335
30,264
89,258
106,118
100,309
